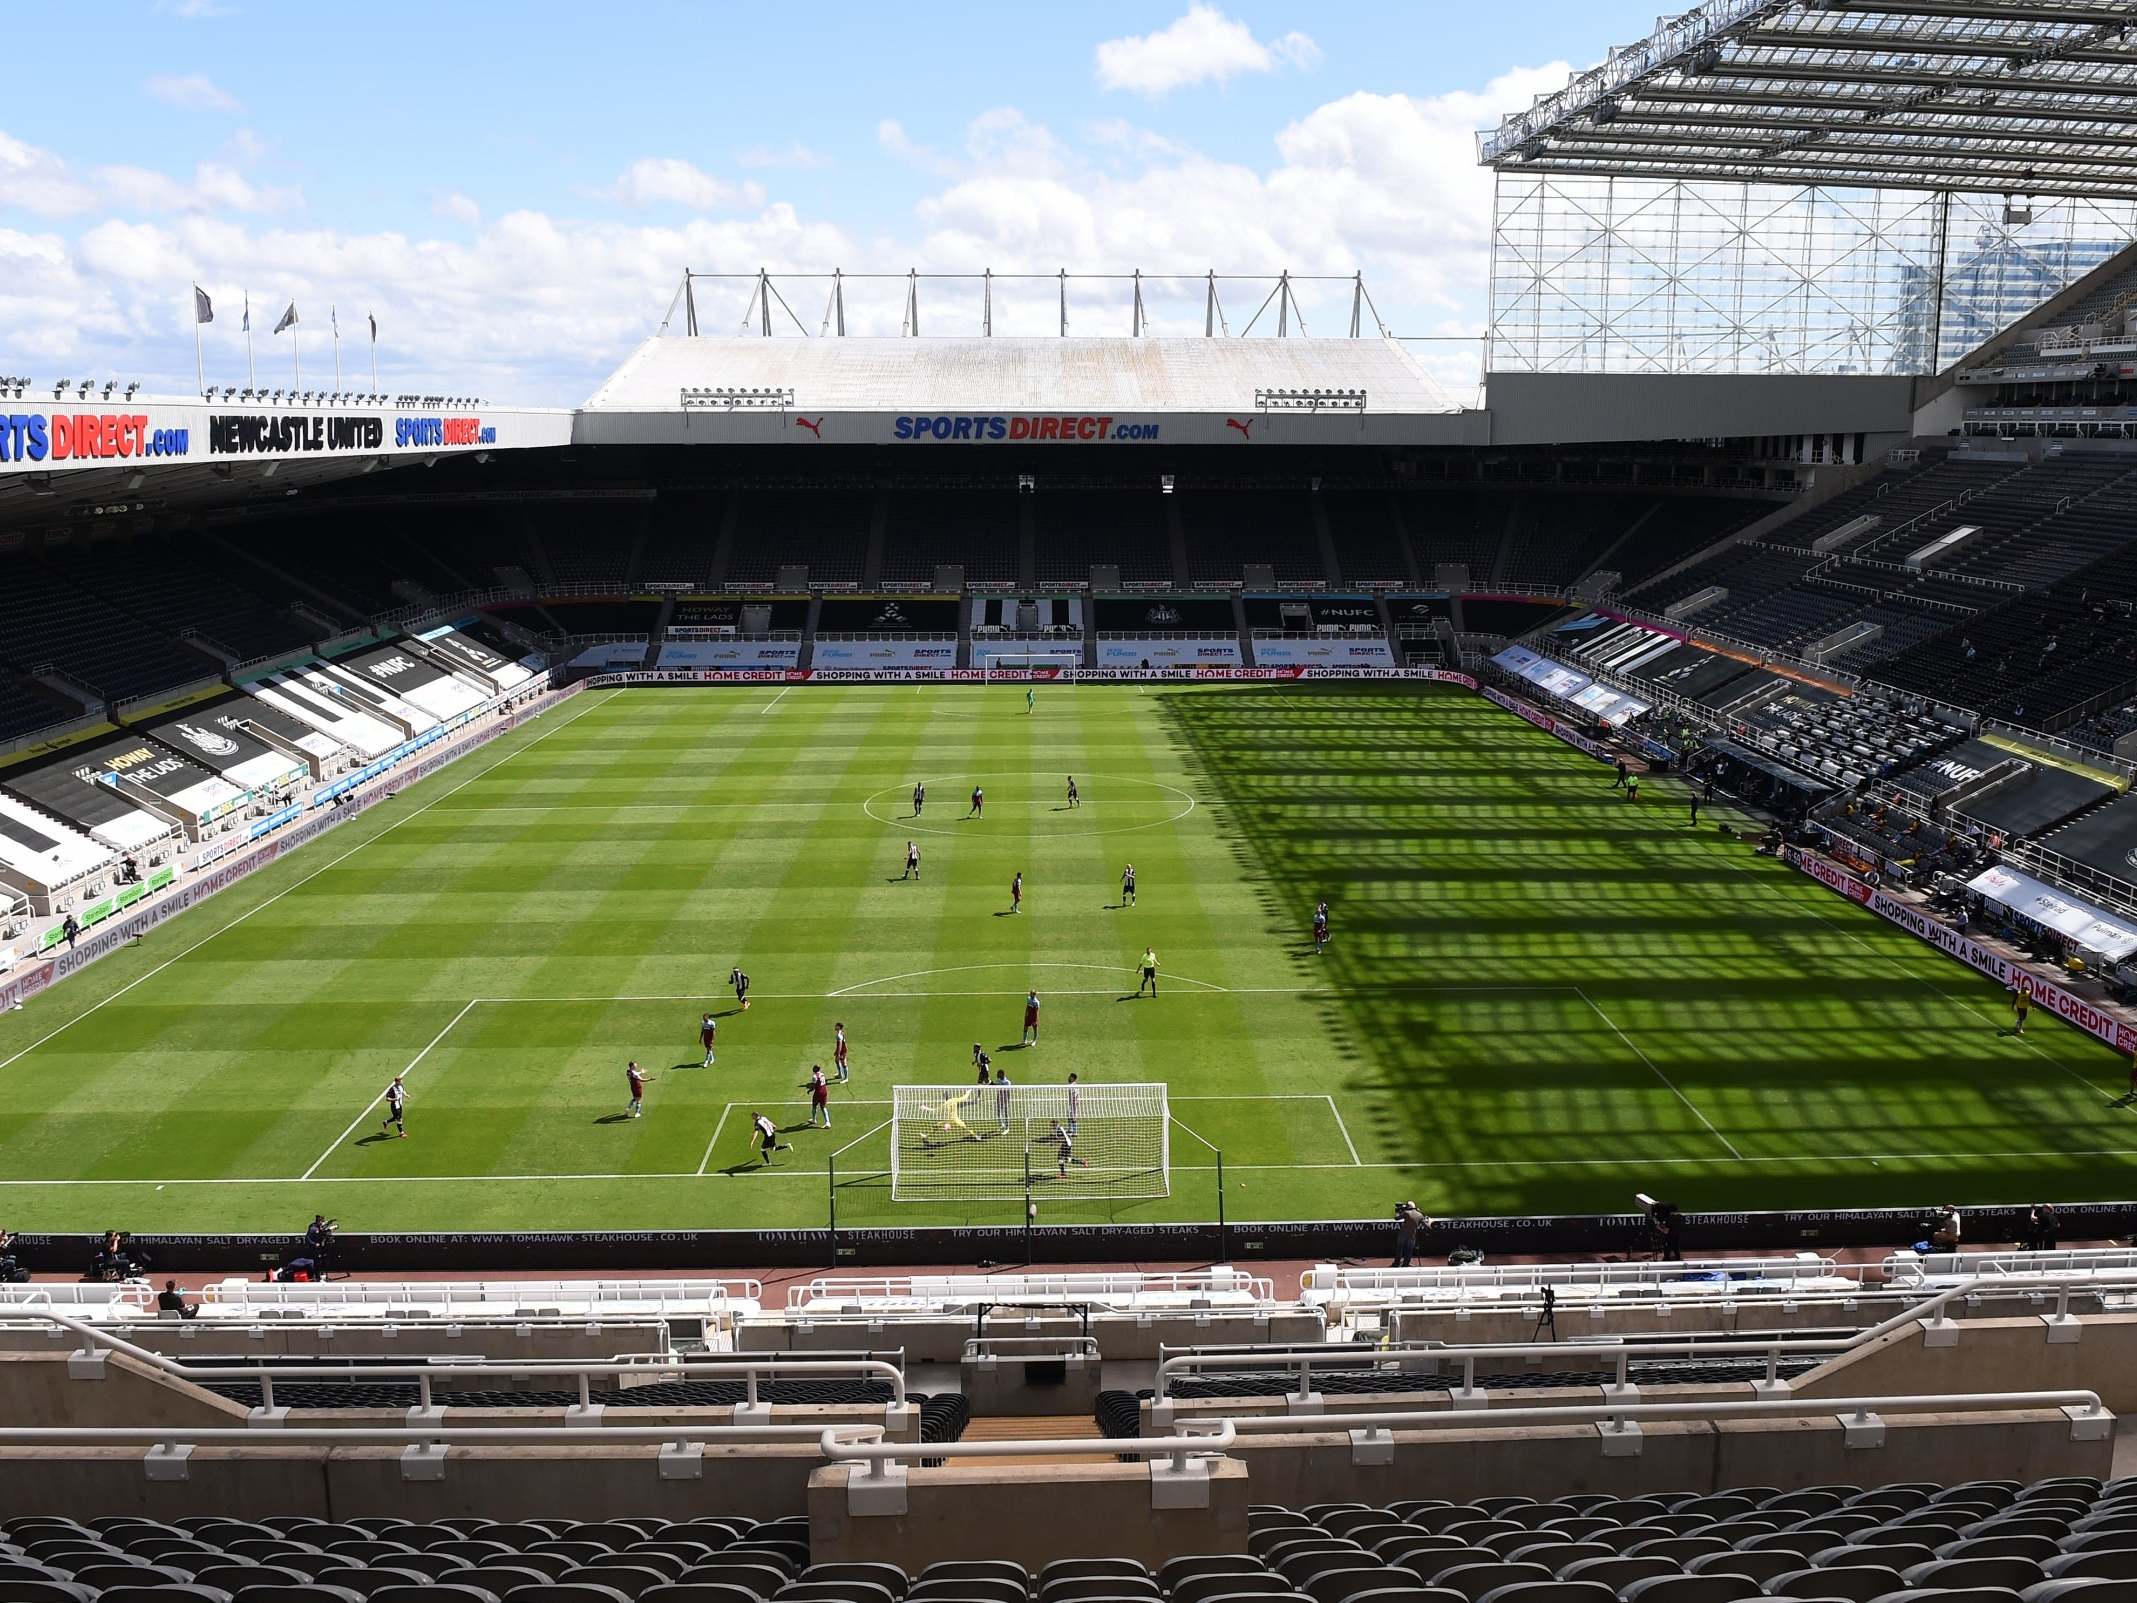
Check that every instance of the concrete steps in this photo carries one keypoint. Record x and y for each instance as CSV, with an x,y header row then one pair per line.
x,y
1034,1428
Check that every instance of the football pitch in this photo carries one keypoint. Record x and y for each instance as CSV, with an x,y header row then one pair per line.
x,y
1538,998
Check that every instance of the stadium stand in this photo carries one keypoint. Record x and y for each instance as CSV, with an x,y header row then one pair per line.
x,y
26,706
166,584
975,529
1368,542
824,531
1231,529
44,620
1082,528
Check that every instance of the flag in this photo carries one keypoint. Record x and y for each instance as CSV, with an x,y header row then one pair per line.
x,y
374,326
246,326
333,317
289,318
203,308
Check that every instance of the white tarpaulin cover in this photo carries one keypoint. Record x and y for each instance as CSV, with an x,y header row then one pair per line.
x,y
2091,927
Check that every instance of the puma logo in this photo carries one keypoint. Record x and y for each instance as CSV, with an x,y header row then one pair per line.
x,y
814,425
1243,428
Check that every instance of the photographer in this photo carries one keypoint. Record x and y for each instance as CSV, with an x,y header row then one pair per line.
x,y
2042,1228
10,1271
1410,1222
319,1243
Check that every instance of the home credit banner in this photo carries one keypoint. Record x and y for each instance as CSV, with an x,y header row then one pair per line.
x,y
1042,675
2073,1010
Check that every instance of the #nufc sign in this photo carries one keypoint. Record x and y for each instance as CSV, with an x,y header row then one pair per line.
x,y
86,436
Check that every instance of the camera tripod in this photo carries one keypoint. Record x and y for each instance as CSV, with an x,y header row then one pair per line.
x,y
1547,1317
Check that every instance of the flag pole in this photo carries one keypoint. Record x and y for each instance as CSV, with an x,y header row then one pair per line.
x,y
374,355
296,360
252,379
200,372
333,317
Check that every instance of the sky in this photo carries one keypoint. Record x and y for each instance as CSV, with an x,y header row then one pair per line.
x,y
513,191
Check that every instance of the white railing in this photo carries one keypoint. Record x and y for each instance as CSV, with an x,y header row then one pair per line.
x,y
752,1372
841,1445
1329,1282
926,1290
1621,1354
502,1298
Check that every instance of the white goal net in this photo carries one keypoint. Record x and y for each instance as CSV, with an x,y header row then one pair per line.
x,y
975,1143
1002,663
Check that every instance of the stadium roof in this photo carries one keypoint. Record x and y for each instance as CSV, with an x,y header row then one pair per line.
x,y
1115,375
2022,97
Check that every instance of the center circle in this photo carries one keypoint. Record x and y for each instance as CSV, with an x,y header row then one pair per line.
x,y
954,801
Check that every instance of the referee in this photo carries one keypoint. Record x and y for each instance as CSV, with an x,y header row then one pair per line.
x,y
1150,971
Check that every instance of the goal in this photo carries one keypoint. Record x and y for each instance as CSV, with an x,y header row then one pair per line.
x,y
1002,663
972,1143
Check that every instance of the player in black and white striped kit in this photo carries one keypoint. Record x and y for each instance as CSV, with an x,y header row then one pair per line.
x,y
396,1109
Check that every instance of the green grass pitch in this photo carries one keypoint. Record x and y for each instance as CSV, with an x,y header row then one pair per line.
x,y
1538,999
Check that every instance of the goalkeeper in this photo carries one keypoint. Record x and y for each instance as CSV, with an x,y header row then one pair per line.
x,y
952,1127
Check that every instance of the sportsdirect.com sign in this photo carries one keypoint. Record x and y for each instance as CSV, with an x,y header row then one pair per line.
x,y
1039,428
90,436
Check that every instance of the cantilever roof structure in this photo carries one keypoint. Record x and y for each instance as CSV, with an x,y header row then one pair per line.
x,y
2020,97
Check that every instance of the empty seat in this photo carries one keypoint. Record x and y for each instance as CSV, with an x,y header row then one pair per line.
x,y
1856,1582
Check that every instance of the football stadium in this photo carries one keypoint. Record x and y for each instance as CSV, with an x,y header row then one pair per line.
x,y
1164,966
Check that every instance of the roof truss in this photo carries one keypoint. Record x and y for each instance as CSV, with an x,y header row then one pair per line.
x,y
2020,97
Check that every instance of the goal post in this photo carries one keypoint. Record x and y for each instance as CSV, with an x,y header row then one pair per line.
x,y
973,1143
1000,662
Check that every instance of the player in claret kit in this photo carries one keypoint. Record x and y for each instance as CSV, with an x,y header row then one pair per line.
x,y
1016,892
1031,1019
838,1052
708,1034
979,803
636,1078
1320,926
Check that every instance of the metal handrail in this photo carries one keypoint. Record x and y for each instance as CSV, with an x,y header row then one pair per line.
x,y
423,1374
169,1437
234,1293
1008,1288
1622,1354
1571,1274
1615,1416
977,1347
881,1456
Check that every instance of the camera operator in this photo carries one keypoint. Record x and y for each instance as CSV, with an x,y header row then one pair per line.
x,y
1410,1222
319,1244
1665,1228
10,1270
2042,1227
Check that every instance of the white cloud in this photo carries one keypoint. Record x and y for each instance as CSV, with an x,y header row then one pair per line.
x,y
192,91
1203,46
538,307
892,138
796,157
37,181
671,181
214,187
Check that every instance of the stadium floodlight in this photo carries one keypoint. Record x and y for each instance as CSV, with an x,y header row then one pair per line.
x,y
1310,400
135,385
732,398
973,1143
